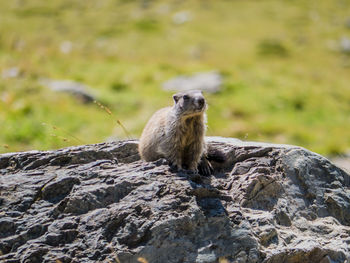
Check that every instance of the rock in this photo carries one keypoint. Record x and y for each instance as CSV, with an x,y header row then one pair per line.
x,y
181,17
344,45
101,203
78,90
10,73
207,81
66,47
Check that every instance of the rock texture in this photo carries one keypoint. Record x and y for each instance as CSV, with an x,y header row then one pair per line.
x,y
206,81
100,203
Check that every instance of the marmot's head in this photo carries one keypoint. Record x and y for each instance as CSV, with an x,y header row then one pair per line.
x,y
190,103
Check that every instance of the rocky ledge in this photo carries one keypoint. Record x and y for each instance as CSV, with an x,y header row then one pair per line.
x,y
101,203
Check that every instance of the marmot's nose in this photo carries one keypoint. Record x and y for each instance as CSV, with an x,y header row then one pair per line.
x,y
200,102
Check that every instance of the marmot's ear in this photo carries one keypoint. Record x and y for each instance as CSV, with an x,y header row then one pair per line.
x,y
176,98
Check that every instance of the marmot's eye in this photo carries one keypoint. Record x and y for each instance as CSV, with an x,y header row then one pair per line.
x,y
186,97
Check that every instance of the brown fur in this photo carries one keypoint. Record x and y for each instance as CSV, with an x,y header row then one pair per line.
x,y
177,133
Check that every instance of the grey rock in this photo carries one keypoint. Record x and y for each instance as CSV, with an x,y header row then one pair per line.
x,y
181,17
206,81
66,47
7,226
78,90
344,45
10,73
101,203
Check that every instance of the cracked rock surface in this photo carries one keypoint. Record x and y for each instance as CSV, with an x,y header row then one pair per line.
x,y
101,203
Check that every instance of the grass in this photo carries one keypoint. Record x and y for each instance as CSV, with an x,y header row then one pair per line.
x,y
284,79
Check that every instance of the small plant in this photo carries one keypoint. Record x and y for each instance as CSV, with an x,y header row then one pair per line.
x,y
110,113
55,128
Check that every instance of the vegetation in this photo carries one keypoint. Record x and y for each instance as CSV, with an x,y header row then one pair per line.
x,y
286,79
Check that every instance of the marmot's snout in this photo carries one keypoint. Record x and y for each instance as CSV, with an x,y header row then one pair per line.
x,y
200,103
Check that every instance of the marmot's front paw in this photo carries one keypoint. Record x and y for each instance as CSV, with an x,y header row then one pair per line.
x,y
204,167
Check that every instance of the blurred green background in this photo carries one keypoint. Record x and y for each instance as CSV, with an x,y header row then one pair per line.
x,y
285,67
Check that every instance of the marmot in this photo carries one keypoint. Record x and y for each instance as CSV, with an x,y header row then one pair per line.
x,y
177,133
